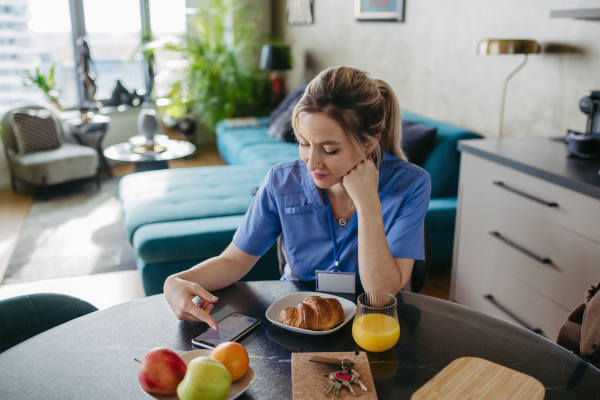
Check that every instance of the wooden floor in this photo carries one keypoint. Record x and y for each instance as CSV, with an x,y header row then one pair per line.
x,y
109,289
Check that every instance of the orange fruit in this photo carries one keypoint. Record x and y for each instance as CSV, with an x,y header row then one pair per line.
x,y
234,357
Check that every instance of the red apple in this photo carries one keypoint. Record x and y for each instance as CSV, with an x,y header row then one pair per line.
x,y
161,371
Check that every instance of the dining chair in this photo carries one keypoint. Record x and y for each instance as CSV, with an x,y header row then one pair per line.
x,y
68,162
580,333
23,317
421,267
417,278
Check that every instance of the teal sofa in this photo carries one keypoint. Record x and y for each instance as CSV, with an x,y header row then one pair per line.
x,y
180,217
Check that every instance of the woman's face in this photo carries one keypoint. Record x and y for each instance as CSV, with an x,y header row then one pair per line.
x,y
325,148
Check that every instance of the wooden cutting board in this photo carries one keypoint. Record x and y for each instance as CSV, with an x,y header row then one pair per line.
x,y
308,383
471,378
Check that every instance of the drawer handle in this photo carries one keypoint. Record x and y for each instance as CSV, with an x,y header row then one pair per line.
x,y
515,246
491,299
530,197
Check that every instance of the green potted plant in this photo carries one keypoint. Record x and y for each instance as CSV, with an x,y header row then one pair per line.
x,y
42,82
222,79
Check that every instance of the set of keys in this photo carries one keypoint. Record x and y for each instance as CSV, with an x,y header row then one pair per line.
x,y
338,379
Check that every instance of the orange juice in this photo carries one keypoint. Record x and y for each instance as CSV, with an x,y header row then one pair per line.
x,y
375,332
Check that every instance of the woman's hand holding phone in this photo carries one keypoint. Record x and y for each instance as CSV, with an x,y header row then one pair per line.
x,y
180,294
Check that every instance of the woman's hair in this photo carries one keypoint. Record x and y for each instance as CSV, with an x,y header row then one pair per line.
x,y
362,106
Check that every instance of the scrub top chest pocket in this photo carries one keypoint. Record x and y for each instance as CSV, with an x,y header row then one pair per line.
x,y
296,202
300,209
306,237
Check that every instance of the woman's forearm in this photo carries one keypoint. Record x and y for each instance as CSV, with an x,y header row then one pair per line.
x,y
379,271
221,271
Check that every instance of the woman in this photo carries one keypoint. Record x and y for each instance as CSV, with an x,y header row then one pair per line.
x,y
352,170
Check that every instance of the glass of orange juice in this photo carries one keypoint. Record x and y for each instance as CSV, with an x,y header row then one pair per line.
x,y
376,326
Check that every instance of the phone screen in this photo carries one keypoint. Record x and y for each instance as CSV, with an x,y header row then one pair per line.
x,y
230,328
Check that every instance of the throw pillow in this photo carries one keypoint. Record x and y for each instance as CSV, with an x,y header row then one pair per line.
x,y
417,141
288,103
35,130
281,128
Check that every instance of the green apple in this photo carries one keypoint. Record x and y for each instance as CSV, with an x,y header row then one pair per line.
x,y
206,379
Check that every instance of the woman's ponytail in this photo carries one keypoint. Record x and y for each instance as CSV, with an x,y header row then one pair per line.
x,y
391,138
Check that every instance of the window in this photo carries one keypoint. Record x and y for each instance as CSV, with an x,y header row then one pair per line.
x,y
114,29
38,34
167,19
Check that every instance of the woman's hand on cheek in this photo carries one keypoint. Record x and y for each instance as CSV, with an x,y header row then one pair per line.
x,y
362,183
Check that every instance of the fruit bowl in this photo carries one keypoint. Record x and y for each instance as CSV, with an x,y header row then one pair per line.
x,y
235,390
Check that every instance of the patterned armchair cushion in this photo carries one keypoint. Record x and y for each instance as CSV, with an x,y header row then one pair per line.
x,y
35,130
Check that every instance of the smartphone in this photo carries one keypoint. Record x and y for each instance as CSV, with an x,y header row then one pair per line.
x,y
231,328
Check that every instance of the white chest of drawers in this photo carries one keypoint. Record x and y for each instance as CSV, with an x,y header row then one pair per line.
x,y
527,244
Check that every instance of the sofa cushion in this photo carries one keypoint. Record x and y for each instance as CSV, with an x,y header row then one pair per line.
x,y
222,127
441,214
165,186
417,140
269,154
186,210
154,275
443,161
231,143
187,194
281,128
288,103
68,162
192,239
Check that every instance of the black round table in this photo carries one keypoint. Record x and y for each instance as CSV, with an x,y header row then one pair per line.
x,y
92,357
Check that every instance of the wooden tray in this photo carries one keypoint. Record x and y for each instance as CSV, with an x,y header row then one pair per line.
x,y
471,378
308,383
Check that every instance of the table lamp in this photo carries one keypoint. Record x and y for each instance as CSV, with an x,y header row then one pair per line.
x,y
507,46
276,59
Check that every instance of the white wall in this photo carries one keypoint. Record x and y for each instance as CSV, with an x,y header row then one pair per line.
x,y
430,60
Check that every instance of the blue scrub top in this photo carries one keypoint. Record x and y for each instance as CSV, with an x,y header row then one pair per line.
x,y
288,202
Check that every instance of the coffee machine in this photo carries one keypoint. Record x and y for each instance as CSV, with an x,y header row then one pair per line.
x,y
587,145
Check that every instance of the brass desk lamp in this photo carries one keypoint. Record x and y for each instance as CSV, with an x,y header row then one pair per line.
x,y
507,46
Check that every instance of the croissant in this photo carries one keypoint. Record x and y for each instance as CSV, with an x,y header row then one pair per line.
x,y
314,313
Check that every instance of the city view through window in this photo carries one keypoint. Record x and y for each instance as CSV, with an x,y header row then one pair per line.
x,y
37,33
114,31
34,34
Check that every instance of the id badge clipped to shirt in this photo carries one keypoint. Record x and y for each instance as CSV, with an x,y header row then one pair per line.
x,y
336,282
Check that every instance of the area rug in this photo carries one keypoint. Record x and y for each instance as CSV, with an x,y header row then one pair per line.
x,y
77,231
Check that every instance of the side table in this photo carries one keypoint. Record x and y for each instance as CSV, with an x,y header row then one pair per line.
x,y
91,133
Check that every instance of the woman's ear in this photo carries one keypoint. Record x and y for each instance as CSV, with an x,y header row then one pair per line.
x,y
372,145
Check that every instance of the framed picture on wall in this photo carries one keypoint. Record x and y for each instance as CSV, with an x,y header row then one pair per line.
x,y
379,10
299,12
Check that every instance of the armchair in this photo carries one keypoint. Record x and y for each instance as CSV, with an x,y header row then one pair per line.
x,y
44,168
